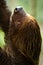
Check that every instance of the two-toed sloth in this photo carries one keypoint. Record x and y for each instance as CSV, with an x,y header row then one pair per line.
x,y
23,38
24,34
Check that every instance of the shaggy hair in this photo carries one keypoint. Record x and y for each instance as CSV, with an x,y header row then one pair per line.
x,y
24,37
23,42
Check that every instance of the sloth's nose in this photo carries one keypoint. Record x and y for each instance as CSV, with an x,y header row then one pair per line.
x,y
18,9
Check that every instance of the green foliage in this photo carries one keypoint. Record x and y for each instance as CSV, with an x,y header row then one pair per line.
x,y
1,38
40,10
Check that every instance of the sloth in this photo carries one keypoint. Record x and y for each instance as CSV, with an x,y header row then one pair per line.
x,y
22,37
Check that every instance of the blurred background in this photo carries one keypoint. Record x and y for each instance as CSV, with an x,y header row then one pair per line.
x,y
34,8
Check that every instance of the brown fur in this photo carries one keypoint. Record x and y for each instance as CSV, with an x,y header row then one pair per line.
x,y
23,42
24,35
